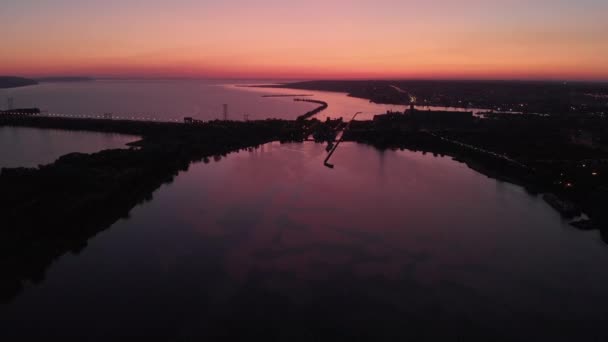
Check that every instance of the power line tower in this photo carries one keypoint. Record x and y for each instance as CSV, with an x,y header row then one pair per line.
x,y
225,112
246,116
9,103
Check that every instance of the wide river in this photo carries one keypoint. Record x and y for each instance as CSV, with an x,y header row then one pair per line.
x,y
270,245
176,99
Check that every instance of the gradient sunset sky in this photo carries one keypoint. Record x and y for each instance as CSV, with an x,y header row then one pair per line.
x,y
507,39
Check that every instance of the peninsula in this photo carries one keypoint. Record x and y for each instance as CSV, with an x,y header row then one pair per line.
x,y
502,96
15,82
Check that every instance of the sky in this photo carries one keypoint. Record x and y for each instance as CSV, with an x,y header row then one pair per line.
x,y
312,39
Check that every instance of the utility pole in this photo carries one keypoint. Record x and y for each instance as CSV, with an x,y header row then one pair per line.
x,y
246,117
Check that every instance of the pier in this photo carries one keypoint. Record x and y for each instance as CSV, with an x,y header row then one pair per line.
x,y
322,107
335,147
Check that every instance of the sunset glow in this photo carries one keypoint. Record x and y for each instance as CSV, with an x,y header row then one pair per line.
x,y
545,39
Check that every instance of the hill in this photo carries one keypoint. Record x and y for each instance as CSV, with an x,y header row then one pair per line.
x,y
14,82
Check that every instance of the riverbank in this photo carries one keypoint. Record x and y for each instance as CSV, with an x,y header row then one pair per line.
x,y
588,196
502,96
56,208
527,168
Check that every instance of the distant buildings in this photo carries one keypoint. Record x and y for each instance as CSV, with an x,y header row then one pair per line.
x,y
415,118
22,111
440,117
190,120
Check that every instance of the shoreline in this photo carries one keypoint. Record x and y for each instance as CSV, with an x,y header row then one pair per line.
x,y
500,96
298,130
68,193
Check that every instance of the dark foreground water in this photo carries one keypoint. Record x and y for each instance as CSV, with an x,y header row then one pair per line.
x,y
270,245
30,147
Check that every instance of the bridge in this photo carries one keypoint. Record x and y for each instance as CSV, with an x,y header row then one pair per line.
x,y
28,112
331,152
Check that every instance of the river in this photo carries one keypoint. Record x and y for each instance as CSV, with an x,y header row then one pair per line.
x,y
176,99
269,243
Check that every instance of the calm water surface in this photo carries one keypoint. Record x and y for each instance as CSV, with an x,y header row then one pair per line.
x,y
30,147
175,99
269,243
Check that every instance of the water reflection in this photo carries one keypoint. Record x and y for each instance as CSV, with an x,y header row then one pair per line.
x,y
269,243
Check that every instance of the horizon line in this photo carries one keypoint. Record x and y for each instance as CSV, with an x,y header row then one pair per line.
x,y
313,79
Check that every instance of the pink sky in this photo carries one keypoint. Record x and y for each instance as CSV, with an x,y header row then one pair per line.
x,y
554,39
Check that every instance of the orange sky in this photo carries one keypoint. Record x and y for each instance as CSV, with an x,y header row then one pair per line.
x,y
554,39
